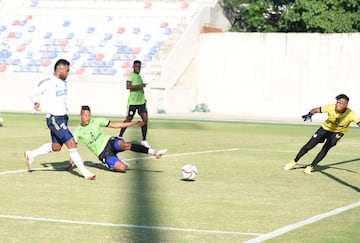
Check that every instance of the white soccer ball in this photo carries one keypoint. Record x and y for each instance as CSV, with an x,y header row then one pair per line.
x,y
189,172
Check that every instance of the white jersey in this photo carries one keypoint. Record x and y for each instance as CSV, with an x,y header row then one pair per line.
x,y
51,93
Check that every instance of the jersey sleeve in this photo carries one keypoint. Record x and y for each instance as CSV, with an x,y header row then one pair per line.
x,y
38,90
103,122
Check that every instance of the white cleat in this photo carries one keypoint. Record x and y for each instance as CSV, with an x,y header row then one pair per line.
x,y
91,177
145,144
28,160
159,153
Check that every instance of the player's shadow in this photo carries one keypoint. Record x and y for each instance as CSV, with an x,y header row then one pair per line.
x,y
322,168
57,166
102,166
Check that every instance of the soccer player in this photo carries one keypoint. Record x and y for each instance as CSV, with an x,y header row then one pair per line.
x,y
51,93
137,101
332,130
105,147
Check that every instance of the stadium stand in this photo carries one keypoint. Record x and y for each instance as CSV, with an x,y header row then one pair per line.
x,y
98,37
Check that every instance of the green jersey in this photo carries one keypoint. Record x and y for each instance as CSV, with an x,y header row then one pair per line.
x,y
136,97
93,135
338,122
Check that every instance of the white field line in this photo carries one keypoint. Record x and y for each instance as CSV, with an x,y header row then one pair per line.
x,y
124,225
186,154
294,226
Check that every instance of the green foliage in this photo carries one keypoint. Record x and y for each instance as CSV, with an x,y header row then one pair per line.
x,y
324,16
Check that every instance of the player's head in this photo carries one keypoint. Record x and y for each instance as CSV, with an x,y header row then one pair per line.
x,y
85,115
61,69
137,66
342,101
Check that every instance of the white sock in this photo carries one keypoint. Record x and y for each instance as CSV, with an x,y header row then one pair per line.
x,y
74,155
151,151
43,149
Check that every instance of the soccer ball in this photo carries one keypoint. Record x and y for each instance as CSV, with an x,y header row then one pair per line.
x,y
189,172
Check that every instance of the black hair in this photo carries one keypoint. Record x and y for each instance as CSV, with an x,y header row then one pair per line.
x,y
61,62
137,62
342,96
85,108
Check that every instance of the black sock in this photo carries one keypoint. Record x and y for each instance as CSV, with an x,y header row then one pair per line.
x,y
139,148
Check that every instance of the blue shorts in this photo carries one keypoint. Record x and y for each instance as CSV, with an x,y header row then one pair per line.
x,y
108,155
58,128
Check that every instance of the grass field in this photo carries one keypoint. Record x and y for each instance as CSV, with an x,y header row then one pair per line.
x,y
241,193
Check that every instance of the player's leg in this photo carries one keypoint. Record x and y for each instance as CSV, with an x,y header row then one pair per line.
x,y
75,157
331,141
121,145
318,137
144,116
46,148
129,117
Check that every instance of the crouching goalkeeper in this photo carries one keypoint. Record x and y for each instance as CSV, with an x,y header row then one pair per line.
x,y
332,130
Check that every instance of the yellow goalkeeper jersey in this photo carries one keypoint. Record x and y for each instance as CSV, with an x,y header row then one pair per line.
x,y
338,122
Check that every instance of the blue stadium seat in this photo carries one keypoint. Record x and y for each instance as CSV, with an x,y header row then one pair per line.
x,y
136,30
32,28
3,28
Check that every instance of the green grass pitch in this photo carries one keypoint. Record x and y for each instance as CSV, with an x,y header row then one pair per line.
x,y
241,191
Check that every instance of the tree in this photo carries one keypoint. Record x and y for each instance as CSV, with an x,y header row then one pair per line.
x,y
324,16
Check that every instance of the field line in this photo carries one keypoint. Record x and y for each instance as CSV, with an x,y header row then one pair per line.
x,y
311,220
124,225
184,154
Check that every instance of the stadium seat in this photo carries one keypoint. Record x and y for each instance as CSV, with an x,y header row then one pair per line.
x,y
66,23
136,30
2,68
147,37
47,35
121,30
32,28
70,36
148,5
3,28
16,22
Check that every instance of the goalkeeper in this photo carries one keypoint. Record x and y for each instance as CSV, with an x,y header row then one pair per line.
x,y
106,147
332,130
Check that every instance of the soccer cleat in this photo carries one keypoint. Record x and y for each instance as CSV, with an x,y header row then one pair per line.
x,y
91,177
126,164
28,160
290,165
145,144
159,153
308,169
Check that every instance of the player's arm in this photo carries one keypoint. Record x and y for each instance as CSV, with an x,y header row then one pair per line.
x,y
37,92
313,111
134,87
124,124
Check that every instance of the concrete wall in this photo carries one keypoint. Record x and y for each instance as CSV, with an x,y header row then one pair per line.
x,y
276,75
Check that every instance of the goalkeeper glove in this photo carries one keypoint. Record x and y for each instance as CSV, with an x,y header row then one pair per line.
x,y
307,117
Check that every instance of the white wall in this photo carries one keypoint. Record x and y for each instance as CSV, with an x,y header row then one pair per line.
x,y
276,75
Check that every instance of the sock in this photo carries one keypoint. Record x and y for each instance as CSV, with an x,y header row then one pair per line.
x,y
144,131
43,149
74,155
139,148
122,131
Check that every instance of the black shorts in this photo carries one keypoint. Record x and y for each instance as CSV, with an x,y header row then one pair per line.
x,y
140,108
331,137
108,155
